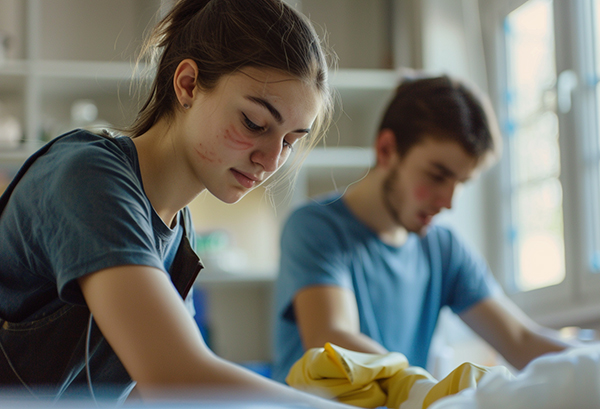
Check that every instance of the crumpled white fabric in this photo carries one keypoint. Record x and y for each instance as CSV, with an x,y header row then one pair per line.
x,y
570,379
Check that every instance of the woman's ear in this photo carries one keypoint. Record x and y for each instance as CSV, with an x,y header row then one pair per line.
x,y
184,82
386,149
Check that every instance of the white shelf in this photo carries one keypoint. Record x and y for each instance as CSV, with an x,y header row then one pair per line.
x,y
341,157
363,79
67,69
344,79
83,69
15,157
14,67
13,76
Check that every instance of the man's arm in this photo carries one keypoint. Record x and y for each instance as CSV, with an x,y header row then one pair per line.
x,y
511,332
330,314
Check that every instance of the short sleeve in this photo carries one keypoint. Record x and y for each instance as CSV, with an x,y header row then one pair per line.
x,y
467,274
312,249
95,215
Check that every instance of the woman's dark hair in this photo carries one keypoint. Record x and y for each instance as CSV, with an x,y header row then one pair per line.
x,y
443,108
223,36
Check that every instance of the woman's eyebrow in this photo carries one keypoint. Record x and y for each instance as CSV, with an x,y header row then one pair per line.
x,y
266,104
276,114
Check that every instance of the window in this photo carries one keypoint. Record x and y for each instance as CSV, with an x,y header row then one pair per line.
x,y
532,132
593,161
545,76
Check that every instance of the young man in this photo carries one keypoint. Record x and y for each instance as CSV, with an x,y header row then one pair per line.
x,y
368,271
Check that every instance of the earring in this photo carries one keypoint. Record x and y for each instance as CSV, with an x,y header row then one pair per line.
x,y
186,106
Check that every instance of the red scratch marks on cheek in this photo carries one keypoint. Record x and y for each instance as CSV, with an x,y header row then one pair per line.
x,y
237,141
421,192
205,154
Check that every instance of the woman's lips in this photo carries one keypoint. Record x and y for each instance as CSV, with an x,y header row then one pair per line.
x,y
245,179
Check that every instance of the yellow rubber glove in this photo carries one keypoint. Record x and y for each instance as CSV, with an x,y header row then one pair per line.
x,y
348,376
375,380
465,376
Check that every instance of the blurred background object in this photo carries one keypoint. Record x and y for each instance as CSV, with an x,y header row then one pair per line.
x,y
12,32
10,129
4,42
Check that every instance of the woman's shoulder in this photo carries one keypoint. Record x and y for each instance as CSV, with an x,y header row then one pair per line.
x,y
80,149
82,161
80,140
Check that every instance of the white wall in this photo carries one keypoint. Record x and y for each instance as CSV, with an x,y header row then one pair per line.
x,y
452,43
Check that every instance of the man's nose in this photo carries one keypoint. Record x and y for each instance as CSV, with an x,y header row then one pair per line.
x,y
444,199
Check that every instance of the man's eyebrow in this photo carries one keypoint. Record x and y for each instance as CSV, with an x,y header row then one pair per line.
x,y
443,169
266,104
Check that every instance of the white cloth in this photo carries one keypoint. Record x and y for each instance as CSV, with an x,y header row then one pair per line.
x,y
566,380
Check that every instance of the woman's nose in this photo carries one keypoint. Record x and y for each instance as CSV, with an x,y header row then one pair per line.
x,y
269,155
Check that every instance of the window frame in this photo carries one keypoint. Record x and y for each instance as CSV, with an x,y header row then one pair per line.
x,y
575,300
585,113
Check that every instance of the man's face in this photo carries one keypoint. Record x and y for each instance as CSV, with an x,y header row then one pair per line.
x,y
422,183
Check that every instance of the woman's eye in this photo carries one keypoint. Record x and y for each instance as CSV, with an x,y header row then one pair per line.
x,y
288,145
251,125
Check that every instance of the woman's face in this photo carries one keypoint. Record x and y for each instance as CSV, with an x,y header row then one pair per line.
x,y
241,132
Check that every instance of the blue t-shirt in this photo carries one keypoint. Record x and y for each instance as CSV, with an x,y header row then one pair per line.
x,y
80,208
399,290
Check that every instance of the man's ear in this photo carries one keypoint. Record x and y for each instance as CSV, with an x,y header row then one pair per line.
x,y
184,82
386,148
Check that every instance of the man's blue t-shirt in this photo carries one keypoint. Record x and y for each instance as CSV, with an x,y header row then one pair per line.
x,y
399,290
80,208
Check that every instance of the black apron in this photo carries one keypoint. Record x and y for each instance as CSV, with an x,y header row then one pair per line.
x,y
62,354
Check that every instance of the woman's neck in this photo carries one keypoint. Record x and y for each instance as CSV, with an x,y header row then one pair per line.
x,y
165,181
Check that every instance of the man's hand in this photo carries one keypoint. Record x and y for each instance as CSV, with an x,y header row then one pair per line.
x,y
512,333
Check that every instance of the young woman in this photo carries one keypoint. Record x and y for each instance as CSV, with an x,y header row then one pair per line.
x,y
96,261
